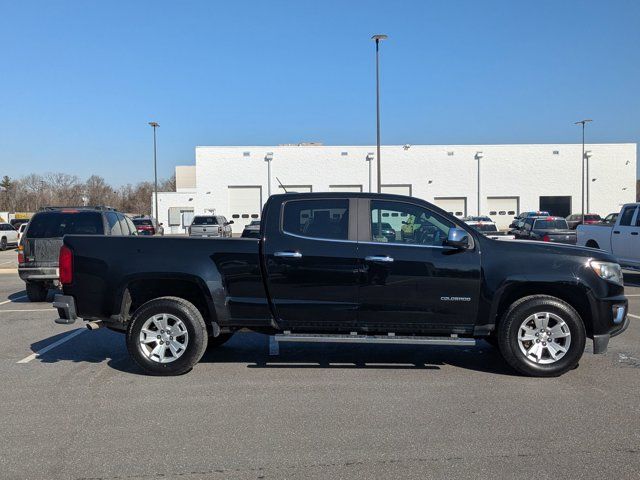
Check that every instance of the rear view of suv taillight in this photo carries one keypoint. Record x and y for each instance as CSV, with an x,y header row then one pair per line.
x,y
65,264
20,255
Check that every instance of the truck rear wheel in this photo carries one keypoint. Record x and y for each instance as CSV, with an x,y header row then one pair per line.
x,y
37,291
541,336
167,336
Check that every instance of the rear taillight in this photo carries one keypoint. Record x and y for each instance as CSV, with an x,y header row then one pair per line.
x,y
546,238
65,263
20,254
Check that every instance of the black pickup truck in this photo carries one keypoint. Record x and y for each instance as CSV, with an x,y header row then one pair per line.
x,y
325,268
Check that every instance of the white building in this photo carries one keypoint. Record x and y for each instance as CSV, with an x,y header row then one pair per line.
x,y
233,181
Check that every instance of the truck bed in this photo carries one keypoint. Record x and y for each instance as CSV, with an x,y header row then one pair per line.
x,y
227,270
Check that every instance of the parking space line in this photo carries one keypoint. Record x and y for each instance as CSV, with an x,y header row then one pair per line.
x,y
33,310
633,316
74,333
13,300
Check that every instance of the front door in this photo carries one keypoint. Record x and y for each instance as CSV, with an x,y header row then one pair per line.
x,y
414,281
312,265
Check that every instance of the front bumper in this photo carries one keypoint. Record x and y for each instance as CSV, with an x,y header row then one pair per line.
x,y
619,321
33,274
66,306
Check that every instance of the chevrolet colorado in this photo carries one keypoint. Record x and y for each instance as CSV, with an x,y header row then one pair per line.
x,y
326,268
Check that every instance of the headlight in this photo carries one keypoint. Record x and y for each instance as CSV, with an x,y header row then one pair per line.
x,y
608,271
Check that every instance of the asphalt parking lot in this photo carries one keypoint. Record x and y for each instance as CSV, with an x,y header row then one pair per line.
x,y
80,409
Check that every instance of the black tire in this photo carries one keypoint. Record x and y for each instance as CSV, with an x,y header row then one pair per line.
x,y
510,325
195,326
219,340
37,291
3,243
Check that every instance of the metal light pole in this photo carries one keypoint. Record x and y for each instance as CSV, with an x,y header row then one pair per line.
x,y
155,167
583,122
369,160
587,156
377,39
267,158
478,156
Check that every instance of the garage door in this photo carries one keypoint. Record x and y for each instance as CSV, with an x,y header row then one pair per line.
x,y
345,188
454,205
245,204
502,210
397,189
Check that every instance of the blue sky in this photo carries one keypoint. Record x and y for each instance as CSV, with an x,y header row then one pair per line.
x,y
80,80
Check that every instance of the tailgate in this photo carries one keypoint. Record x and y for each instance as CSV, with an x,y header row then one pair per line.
x,y
562,237
42,252
205,230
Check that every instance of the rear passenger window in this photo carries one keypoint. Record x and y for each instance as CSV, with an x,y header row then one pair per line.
x,y
627,216
322,218
113,224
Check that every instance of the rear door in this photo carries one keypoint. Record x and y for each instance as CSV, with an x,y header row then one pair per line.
x,y
311,263
415,283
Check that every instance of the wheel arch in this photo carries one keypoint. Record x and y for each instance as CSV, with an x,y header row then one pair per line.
x,y
576,295
139,290
591,243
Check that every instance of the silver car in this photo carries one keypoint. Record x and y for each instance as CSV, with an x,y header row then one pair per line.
x,y
210,226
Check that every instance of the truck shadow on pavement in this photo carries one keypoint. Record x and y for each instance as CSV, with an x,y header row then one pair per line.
x,y
19,297
252,349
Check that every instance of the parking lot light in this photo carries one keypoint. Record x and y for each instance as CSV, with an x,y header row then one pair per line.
x,y
587,156
377,38
369,160
155,125
583,122
267,158
478,156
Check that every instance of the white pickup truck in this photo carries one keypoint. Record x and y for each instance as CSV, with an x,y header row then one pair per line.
x,y
622,239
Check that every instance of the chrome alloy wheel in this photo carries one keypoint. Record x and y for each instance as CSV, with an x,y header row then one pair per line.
x,y
163,338
544,338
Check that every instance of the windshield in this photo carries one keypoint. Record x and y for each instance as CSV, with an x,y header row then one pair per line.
x,y
59,224
205,221
559,224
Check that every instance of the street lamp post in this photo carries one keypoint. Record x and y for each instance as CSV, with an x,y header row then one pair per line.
x,y
155,167
583,122
587,156
267,158
369,160
478,156
377,39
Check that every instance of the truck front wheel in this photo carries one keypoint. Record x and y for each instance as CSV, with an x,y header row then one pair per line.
x,y
541,336
167,336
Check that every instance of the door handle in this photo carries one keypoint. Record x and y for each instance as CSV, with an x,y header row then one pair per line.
x,y
379,258
616,232
288,254
634,233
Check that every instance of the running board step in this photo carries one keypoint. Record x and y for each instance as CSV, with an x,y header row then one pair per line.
x,y
391,339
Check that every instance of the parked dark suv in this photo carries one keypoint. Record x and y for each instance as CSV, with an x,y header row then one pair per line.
x,y
40,246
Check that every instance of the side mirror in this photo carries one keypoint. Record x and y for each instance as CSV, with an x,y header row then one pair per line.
x,y
161,224
513,225
230,222
458,238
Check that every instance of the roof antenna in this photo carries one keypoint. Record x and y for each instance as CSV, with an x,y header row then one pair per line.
x,y
281,185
